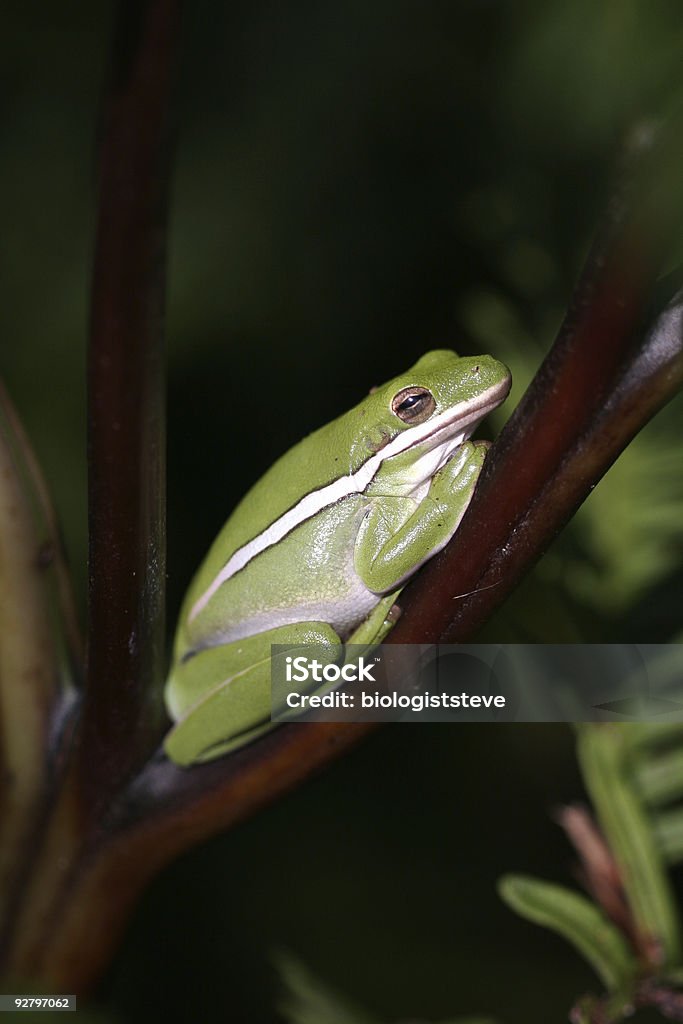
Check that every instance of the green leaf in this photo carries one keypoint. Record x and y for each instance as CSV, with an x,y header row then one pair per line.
x,y
606,758
660,779
630,524
308,1000
669,833
577,920
646,736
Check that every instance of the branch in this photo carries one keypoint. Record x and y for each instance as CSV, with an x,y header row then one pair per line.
x,y
159,816
604,377
122,717
611,368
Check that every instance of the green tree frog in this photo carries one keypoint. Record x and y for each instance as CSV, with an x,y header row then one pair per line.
x,y
320,547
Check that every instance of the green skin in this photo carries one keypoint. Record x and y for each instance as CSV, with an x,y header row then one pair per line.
x,y
369,498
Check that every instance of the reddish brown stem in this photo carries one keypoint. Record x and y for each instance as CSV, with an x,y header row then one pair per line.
x,y
600,383
610,369
89,903
121,718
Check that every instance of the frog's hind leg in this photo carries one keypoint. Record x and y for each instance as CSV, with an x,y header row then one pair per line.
x,y
215,718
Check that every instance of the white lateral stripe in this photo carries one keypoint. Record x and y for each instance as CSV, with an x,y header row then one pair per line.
x,y
355,483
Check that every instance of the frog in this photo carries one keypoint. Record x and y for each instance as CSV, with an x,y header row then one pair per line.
x,y
319,549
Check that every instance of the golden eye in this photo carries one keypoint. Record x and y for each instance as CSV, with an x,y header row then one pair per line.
x,y
413,405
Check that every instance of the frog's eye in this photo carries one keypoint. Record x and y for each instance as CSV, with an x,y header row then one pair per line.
x,y
413,405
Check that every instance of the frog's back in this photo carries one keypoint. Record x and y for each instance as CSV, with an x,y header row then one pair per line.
x,y
318,460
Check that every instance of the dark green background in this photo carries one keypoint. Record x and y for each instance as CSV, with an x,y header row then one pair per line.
x,y
355,183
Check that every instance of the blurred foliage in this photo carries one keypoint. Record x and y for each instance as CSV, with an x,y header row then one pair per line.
x,y
307,1000
355,184
634,776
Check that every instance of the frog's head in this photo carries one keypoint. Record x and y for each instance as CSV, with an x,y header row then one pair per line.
x,y
415,421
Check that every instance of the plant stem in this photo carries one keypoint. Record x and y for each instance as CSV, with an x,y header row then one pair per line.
x,y
121,716
613,365
126,399
121,813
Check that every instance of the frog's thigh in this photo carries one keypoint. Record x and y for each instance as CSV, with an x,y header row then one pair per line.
x,y
385,564
221,696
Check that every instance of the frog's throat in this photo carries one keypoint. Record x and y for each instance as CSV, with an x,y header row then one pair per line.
x,y
458,422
